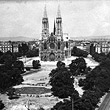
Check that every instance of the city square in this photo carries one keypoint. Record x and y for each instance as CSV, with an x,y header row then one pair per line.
x,y
54,55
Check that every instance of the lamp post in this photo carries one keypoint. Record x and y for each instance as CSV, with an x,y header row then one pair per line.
x,y
28,106
72,101
25,60
72,96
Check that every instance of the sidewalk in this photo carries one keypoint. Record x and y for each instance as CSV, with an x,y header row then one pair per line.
x,y
106,103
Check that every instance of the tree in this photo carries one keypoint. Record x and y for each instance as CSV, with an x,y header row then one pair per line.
x,y
98,77
99,57
7,59
4,81
60,65
36,64
83,103
10,75
65,105
108,55
12,94
62,81
32,53
105,63
1,53
1,105
78,67
9,78
19,65
17,54
15,76
92,97
23,48
96,83
78,52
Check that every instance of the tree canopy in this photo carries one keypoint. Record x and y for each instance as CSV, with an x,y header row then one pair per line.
x,y
36,64
78,52
1,105
79,67
10,72
23,48
99,57
32,53
95,84
61,82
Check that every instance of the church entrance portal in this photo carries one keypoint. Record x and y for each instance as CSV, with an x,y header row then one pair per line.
x,y
52,57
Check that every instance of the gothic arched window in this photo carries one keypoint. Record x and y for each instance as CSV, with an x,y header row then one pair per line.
x,y
45,45
66,44
45,58
58,45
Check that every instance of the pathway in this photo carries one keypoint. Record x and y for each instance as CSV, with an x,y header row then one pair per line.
x,y
106,103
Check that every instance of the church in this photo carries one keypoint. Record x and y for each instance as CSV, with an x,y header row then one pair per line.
x,y
53,46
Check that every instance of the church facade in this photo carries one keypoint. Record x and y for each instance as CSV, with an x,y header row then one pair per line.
x,y
53,47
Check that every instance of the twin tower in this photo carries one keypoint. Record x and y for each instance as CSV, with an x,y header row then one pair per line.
x,y
57,31
52,46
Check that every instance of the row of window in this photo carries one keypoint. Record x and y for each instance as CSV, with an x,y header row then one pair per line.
x,y
5,46
7,49
99,50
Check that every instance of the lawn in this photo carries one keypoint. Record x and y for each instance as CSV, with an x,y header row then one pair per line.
x,y
32,90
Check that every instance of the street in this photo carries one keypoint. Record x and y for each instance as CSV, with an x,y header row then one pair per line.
x,y
106,103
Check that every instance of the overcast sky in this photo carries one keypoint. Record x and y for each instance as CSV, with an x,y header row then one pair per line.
x,y
80,17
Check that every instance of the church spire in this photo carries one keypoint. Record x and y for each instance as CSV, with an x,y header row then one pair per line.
x,y
58,12
59,32
45,12
54,29
45,25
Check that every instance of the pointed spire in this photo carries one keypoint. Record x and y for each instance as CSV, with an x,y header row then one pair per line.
x,y
58,12
45,12
54,29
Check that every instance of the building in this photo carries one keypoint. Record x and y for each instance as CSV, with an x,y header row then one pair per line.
x,y
14,47
5,46
102,47
8,46
53,47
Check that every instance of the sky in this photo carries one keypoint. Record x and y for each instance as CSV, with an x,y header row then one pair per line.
x,y
79,17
